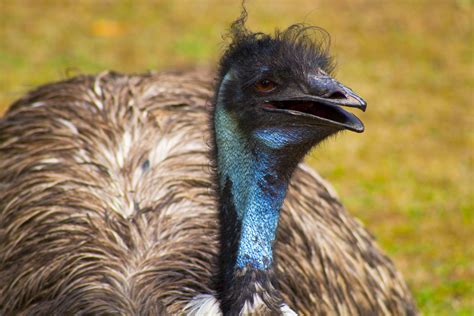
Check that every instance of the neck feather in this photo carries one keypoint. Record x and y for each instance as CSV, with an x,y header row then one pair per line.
x,y
252,187
253,177
253,184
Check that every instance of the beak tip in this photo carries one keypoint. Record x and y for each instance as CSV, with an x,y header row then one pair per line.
x,y
359,129
361,103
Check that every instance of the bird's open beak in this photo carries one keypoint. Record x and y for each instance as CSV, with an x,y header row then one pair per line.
x,y
323,103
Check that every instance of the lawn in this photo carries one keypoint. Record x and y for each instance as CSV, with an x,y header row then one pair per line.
x,y
409,177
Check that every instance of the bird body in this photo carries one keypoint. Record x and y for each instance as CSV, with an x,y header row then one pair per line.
x,y
108,206
176,194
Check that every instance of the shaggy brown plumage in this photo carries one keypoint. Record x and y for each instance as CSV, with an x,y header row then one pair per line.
x,y
107,207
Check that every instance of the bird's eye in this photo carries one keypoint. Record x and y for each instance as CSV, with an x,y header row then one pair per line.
x,y
265,85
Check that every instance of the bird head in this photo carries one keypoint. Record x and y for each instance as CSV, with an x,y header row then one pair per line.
x,y
279,88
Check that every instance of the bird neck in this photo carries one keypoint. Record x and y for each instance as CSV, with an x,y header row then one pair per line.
x,y
253,177
252,185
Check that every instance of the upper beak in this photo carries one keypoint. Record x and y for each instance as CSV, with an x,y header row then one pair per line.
x,y
328,89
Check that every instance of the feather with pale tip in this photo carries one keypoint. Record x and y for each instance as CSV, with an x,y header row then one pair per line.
x,y
107,206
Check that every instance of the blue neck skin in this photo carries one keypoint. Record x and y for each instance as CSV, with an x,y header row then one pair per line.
x,y
253,165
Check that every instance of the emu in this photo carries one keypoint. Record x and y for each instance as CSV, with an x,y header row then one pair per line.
x,y
111,201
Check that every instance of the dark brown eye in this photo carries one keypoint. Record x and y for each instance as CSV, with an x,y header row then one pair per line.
x,y
265,85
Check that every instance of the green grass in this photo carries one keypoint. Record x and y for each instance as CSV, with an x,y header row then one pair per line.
x,y
409,178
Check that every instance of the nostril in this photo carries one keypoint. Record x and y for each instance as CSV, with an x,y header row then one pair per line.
x,y
335,95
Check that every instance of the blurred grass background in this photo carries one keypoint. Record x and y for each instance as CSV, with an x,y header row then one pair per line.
x,y
409,178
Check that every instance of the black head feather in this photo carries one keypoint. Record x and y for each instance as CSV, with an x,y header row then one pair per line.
x,y
296,50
